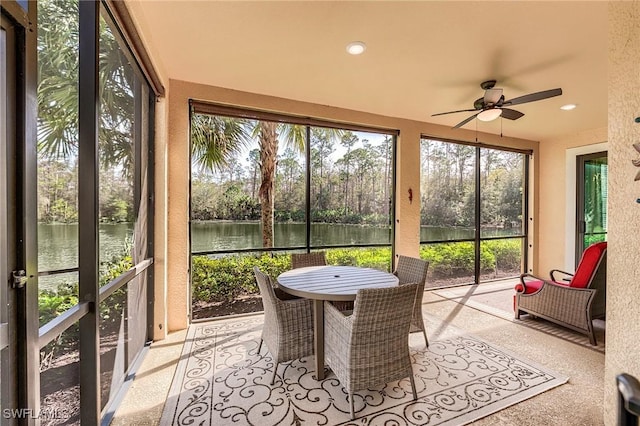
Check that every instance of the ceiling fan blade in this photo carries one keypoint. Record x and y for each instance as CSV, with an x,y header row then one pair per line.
x,y
492,96
463,122
452,112
532,97
511,114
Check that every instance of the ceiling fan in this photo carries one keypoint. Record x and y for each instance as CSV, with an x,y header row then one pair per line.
x,y
492,104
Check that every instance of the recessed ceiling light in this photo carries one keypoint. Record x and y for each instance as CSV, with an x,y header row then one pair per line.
x,y
356,47
568,107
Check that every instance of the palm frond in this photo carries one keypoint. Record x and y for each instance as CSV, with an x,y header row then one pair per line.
x,y
216,140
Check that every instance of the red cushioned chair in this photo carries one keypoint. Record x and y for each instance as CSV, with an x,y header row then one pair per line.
x,y
570,300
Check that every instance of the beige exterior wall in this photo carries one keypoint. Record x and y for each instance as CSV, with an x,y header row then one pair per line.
x,y
178,170
557,159
623,268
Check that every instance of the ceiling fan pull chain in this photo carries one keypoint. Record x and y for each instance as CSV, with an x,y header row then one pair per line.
x,y
476,131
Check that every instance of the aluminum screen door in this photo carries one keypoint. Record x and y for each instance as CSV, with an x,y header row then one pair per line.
x,y
4,339
7,218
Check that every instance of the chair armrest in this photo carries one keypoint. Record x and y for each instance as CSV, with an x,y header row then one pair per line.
x,y
295,308
337,318
568,277
337,339
524,283
294,315
283,295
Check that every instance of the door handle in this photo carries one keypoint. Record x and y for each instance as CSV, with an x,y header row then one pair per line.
x,y
19,278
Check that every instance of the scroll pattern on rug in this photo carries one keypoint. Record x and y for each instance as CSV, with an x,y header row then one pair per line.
x,y
223,380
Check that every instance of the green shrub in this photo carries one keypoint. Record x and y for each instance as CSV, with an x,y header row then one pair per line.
x,y
507,253
592,239
225,278
378,258
457,259
449,259
52,303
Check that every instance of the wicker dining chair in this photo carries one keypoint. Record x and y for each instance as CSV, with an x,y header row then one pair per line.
x,y
300,260
288,324
371,346
412,270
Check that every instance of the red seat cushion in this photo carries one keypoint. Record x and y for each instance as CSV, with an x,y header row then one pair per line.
x,y
532,286
587,265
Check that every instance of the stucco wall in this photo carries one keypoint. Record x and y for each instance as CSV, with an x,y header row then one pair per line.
x,y
408,172
557,158
623,268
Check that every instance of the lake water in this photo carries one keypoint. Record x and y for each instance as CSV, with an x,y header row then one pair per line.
x,y
58,244
58,248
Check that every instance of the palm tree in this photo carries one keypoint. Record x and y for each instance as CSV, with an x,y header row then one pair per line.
x,y
268,140
58,89
57,96
217,139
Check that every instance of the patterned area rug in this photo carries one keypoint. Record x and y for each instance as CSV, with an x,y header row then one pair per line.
x,y
222,380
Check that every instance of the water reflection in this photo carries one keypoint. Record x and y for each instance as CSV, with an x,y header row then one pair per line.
x,y
58,244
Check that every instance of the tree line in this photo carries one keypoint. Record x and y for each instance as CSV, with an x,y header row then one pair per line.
x,y
350,178
448,186
58,193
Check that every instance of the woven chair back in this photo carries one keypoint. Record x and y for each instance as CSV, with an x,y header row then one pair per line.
x,y
383,315
411,270
301,260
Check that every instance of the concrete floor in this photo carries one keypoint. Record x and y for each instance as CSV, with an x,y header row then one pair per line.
x,y
578,402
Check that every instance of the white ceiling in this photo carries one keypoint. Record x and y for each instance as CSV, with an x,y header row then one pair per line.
x,y
422,57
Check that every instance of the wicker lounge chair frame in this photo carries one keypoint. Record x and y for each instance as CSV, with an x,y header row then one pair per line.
x,y
570,307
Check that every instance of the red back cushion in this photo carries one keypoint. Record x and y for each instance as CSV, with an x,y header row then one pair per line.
x,y
586,268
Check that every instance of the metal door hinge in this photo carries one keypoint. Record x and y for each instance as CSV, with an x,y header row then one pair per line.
x,y
19,279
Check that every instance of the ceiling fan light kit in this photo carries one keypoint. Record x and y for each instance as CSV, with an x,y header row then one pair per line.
x,y
492,104
489,114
